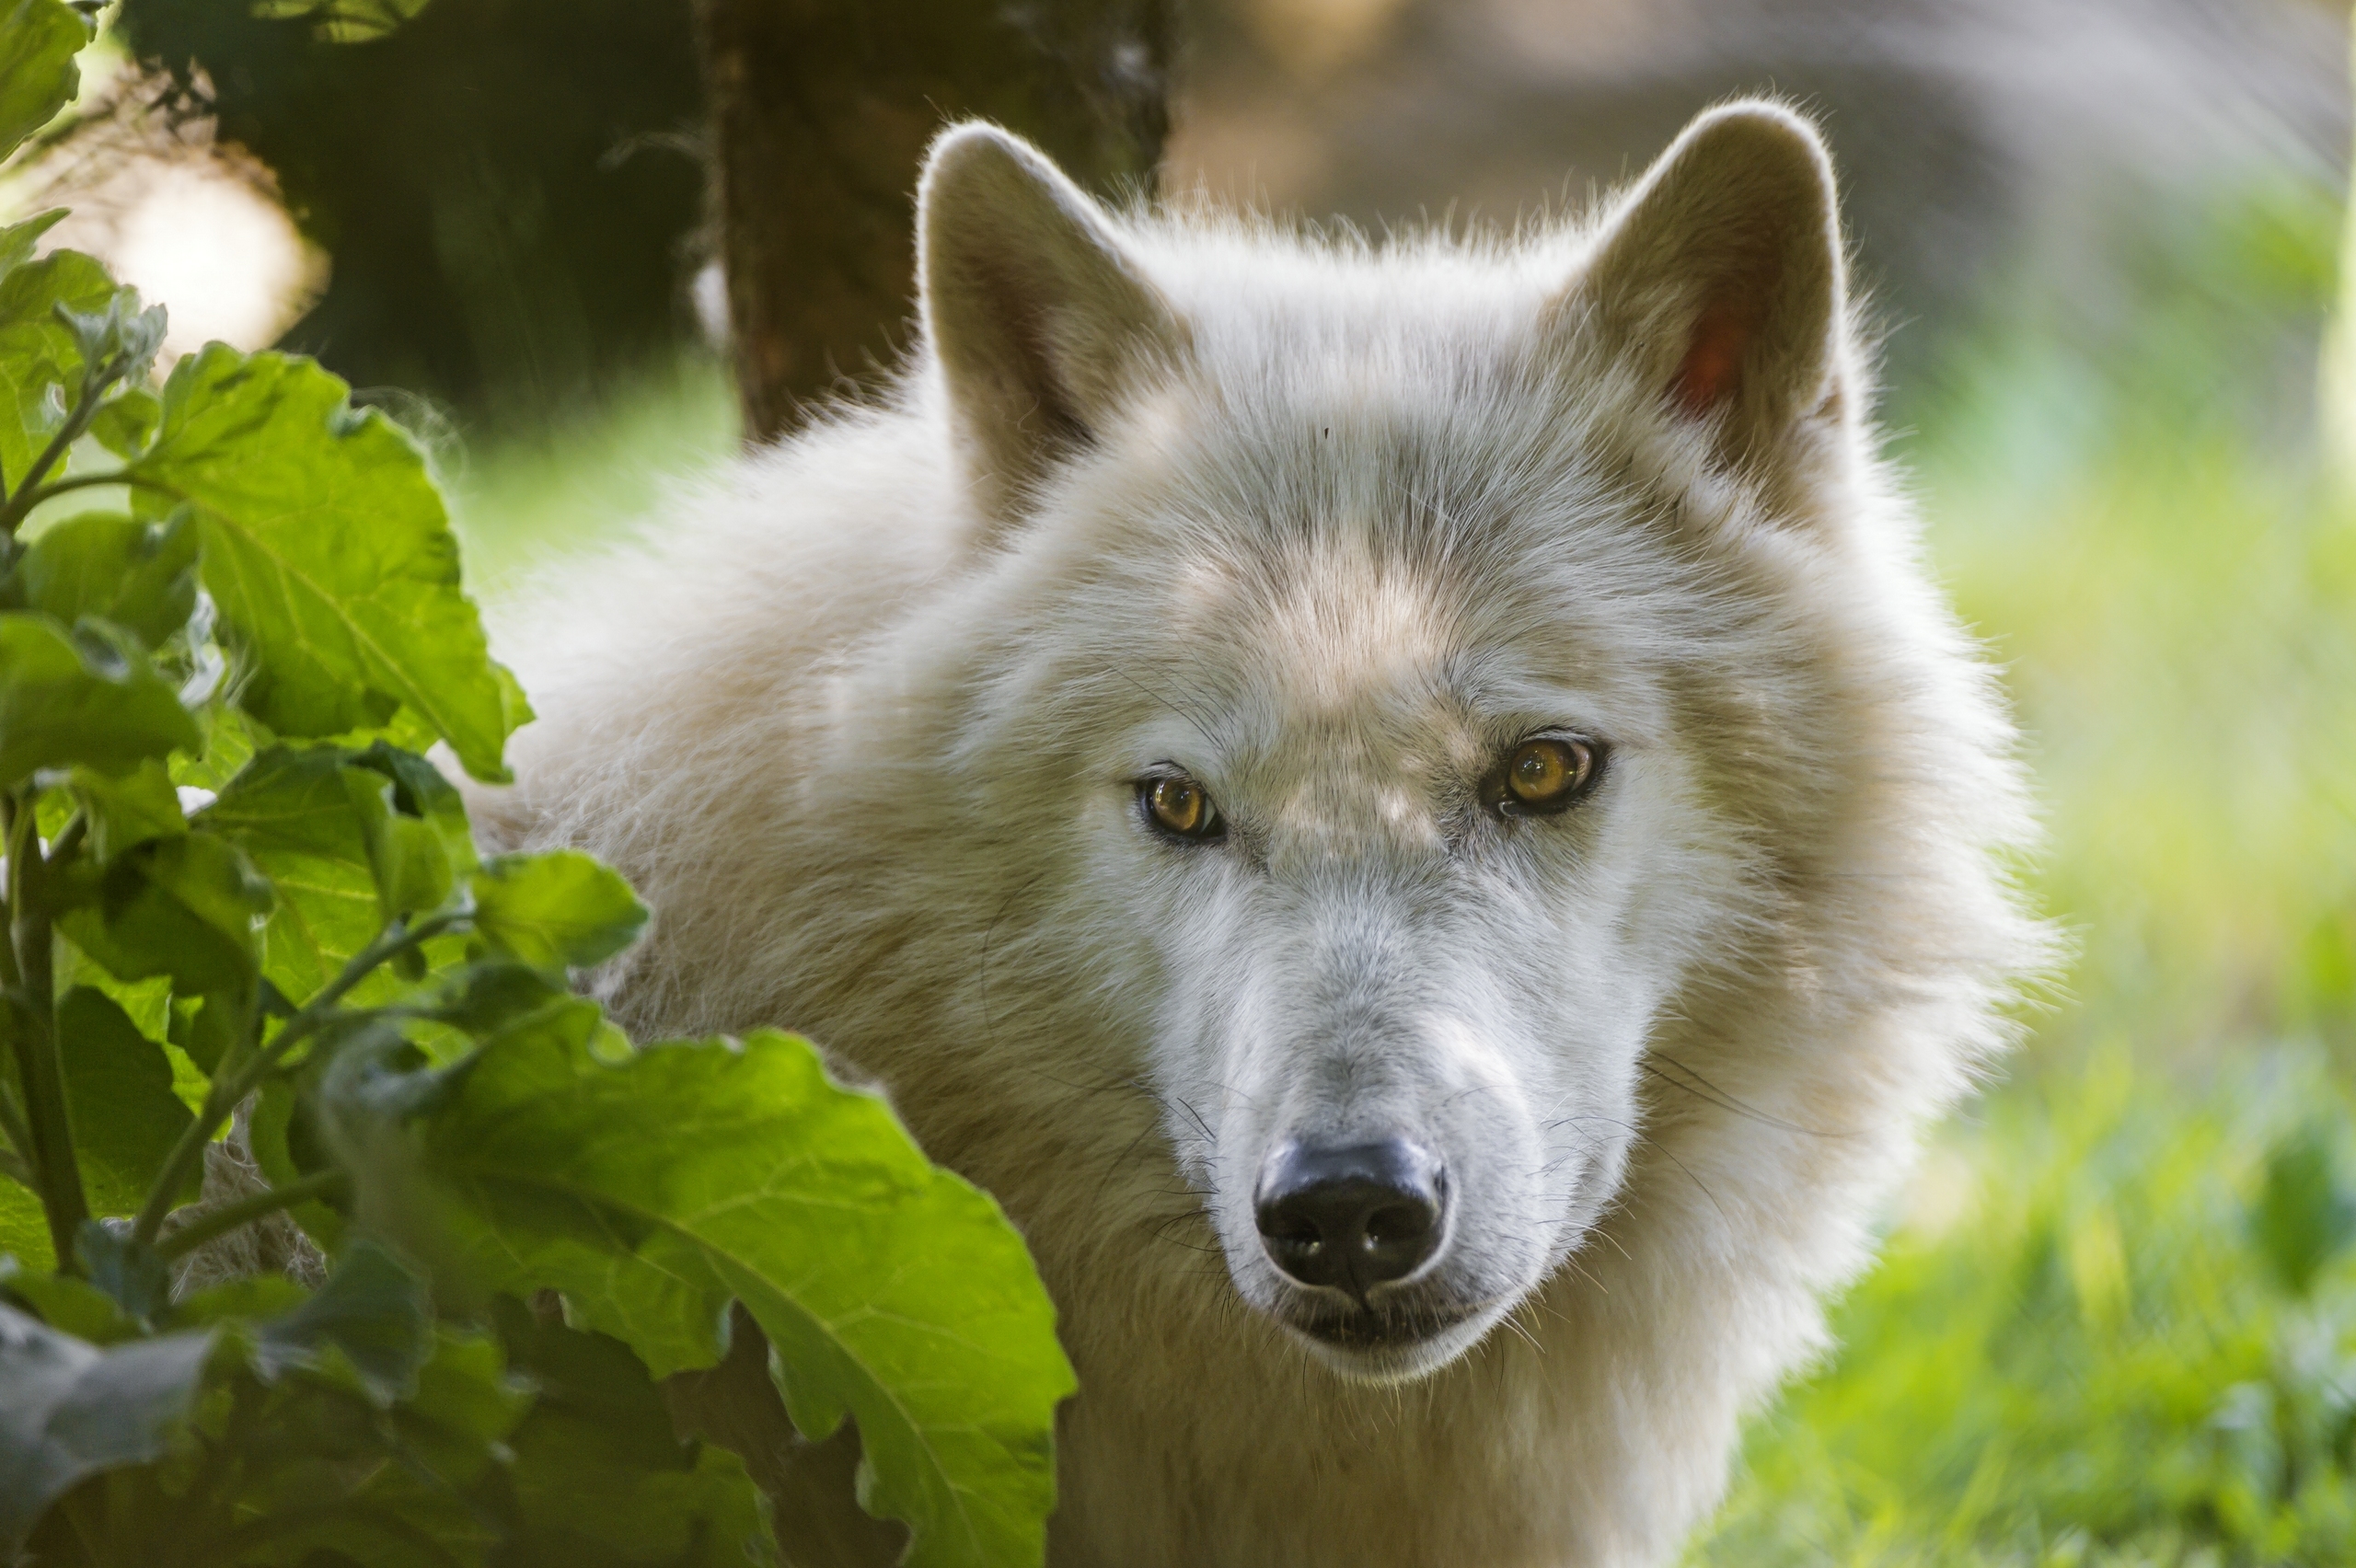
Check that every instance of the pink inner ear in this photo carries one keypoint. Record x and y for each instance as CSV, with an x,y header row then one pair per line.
x,y
1711,373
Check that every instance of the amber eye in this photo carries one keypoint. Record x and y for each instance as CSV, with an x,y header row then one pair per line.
x,y
1547,775
1179,806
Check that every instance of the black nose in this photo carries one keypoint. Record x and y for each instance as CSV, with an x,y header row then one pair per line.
x,y
1351,1218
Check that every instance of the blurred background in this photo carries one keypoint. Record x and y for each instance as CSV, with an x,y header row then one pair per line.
x,y
583,247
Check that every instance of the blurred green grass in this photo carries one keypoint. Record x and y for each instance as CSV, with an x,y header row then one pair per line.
x,y
2115,1320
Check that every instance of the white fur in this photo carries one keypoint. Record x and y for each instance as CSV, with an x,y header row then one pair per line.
x,y
1327,525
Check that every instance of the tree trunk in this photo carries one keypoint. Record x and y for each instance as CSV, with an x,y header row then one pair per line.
x,y
821,111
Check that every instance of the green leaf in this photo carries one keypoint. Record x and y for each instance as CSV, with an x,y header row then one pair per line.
x,y
406,854
140,576
126,421
16,241
281,1133
289,810
304,817
68,1409
600,1478
125,812
121,337
130,1271
343,21
72,1306
327,551
87,697
186,906
41,366
24,1226
38,41
889,1289
119,1093
554,910
370,1314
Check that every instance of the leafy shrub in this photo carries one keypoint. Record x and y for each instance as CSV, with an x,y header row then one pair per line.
x,y
230,620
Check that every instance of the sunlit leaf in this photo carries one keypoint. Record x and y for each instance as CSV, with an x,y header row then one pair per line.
x,y
140,575
332,562
86,697
932,1328
554,910
128,810
40,367
343,21
118,1092
38,41
187,906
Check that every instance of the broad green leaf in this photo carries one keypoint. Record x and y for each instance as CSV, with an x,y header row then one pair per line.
x,y
87,696
889,1289
406,855
140,576
187,906
344,21
130,1271
128,810
126,421
231,738
331,560
72,1306
280,1132
288,809
41,366
68,1409
372,1313
303,817
17,239
600,1478
557,909
24,1227
119,1094
358,1432
38,41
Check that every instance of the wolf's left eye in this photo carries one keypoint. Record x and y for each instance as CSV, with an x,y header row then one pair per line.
x,y
1545,775
1180,807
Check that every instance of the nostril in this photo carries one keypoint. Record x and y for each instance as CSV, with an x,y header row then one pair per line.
x,y
1351,1218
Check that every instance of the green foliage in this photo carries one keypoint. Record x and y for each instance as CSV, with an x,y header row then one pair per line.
x,y
538,1163
233,887
2093,1347
38,75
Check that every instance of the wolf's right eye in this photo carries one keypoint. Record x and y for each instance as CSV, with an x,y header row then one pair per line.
x,y
1180,807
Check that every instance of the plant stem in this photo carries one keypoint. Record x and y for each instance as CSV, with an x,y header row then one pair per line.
x,y
28,497
40,1069
29,493
245,1210
248,1062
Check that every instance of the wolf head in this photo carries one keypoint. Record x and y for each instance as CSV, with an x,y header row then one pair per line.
x,y
1393,695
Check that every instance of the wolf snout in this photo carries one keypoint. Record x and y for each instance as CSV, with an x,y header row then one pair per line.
x,y
1351,1218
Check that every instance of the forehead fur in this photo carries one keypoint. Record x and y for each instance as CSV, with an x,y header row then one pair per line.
x,y
1379,478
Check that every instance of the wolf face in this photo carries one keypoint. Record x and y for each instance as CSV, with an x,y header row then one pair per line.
x,y
1409,727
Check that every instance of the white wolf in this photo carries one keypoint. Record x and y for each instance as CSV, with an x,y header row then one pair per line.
x,y
1430,774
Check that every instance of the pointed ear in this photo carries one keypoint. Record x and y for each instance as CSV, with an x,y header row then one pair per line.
x,y
1719,281
1039,321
